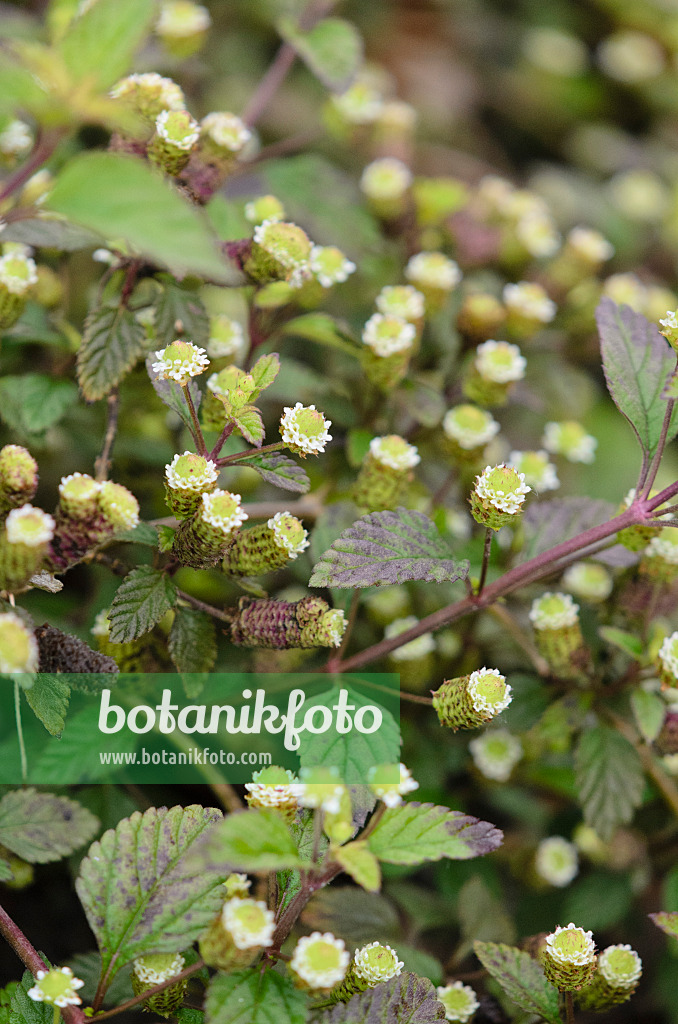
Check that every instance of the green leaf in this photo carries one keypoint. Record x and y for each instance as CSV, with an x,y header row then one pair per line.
x,y
24,1010
279,470
19,89
33,402
323,329
76,755
41,827
48,699
228,219
87,967
256,840
47,231
668,922
482,916
136,888
142,599
599,900
250,424
5,875
637,362
355,915
193,641
359,862
264,372
388,547
179,312
121,197
143,533
100,43
112,342
332,50
254,997
629,643
172,394
609,779
406,999
414,833
521,978
649,711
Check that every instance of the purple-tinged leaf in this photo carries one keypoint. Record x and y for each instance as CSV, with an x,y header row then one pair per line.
x,y
407,999
414,833
171,393
521,978
667,921
548,523
279,470
637,362
42,827
388,547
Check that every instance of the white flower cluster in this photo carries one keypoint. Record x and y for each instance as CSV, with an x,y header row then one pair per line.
x,y
539,473
433,269
148,973
668,655
376,963
190,472
226,130
322,967
569,438
289,533
212,510
590,245
530,300
469,426
249,922
478,681
18,647
556,861
329,265
30,526
509,501
401,300
500,362
180,361
393,451
417,648
18,273
272,794
57,986
554,611
386,334
386,178
183,139
305,428
391,793
620,965
459,1000
571,945
496,753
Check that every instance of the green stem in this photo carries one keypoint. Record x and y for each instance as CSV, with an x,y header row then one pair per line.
x,y
57,1015
20,731
228,459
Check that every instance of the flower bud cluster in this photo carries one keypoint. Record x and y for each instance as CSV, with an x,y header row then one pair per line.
x,y
153,969
266,547
384,472
281,625
88,514
473,700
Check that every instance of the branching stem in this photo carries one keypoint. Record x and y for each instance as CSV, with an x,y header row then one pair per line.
x,y
239,456
103,463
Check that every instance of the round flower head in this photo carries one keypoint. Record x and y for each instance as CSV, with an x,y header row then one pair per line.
x,y
498,495
226,131
226,340
391,793
496,753
331,628
360,104
18,476
237,884
375,963
395,452
387,178
668,661
78,495
181,18
177,128
29,526
223,511
287,247
626,290
264,208
554,611
402,300
470,427
319,788
488,691
154,968
329,265
289,533
249,923
16,139
529,300
57,986
630,56
18,646
569,958
18,273
589,580
304,429
119,506
320,961
459,1000
180,361
271,787
473,700
433,270
539,473
589,246
417,648
569,439
150,94
621,966
500,362
537,232
388,334
556,861
191,472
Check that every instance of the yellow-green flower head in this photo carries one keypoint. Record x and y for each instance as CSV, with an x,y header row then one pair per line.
x,y
78,495
555,52
496,753
626,290
433,270
191,472
102,623
30,526
249,923
331,628
470,426
530,300
264,208
589,246
631,57
149,93
398,116
360,104
288,245
388,334
289,533
119,506
180,361
664,546
223,511
237,884
459,1000
669,327
556,861
391,793
226,340
18,273
57,986
271,787
18,475
521,202
319,788
417,648
387,603
178,129
386,178
538,233
498,489
395,452
227,131
539,473
621,966
568,438
571,945
304,429
16,139
489,692
640,195
320,960
500,362
181,18
668,659
401,300
554,611
329,266
154,968
375,963
494,193
590,581
18,646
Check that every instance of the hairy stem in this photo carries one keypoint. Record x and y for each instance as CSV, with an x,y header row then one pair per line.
x,y
193,969
223,437
487,547
202,606
239,456
103,462
199,439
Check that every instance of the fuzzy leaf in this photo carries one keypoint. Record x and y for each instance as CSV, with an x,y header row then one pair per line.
x,y
180,313
112,342
41,827
255,840
250,424
34,402
649,711
171,393
414,833
668,922
193,641
137,891
406,999
141,600
332,50
48,698
521,978
359,862
610,779
637,362
323,329
46,231
100,42
547,523
388,547
279,470
24,1010
353,914
254,997
264,372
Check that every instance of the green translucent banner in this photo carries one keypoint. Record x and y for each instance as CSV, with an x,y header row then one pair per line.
x,y
163,728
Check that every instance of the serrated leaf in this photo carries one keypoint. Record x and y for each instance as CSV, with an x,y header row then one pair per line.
x,y
87,967
143,533
279,470
41,827
250,424
50,232
171,393
254,997
136,888
388,547
142,599
193,641
414,833
649,711
48,699
179,312
406,999
521,978
360,863
76,755
637,362
100,42
668,922
629,643
547,523
112,342
332,49
323,329
264,372
24,1010
255,840
609,779
34,402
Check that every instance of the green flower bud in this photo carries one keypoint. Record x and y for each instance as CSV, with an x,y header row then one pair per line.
x,y
18,647
201,540
264,208
497,366
619,971
18,477
23,873
238,935
78,496
434,275
371,965
187,478
176,134
319,962
436,199
389,342
570,440
558,635
589,580
481,316
304,429
459,1000
498,496
182,27
149,94
267,547
329,266
18,274
57,986
153,969
539,473
272,787
180,361
385,470
280,252
223,137
569,958
226,340
386,184
471,701
284,624
24,543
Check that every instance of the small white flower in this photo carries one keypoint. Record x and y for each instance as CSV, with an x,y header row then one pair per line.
x,y
459,1000
179,19
539,473
18,273
79,486
530,300
387,178
319,789
569,439
500,694
16,138
166,93
571,945
393,451
495,753
556,861
190,472
180,361
289,533
57,986
305,429
401,300
267,794
507,498
376,963
626,290
469,426
391,793
386,335
329,265
226,130
417,648
668,655
223,510
226,340
360,104
321,960
554,611
500,362
538,233
178,128
620,965
149,971
30,526
249,923
590,245
433,269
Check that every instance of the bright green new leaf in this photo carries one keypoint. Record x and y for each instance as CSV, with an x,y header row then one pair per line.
x,y
521,978
359,862
414,833
100,43
141,600
332,49
255,840
254,997
649,711
323,329
42,827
